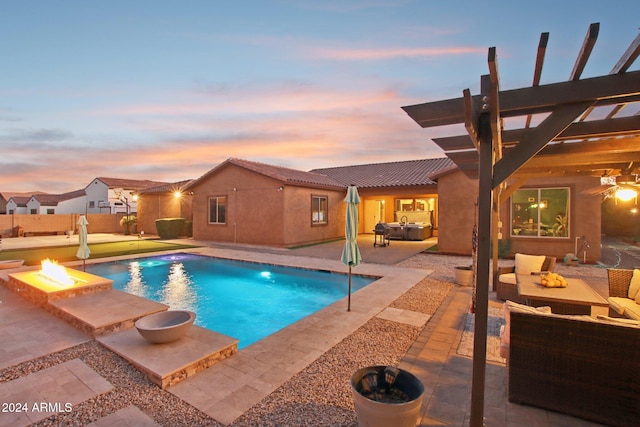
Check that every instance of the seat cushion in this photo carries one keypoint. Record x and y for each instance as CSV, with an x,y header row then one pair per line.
x,y
633,311
634,286
509,278
526,264
620,304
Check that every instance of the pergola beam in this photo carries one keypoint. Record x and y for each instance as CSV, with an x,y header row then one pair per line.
x,y
603,90
628,58
540,136
537,71
585,52
611,127
470,118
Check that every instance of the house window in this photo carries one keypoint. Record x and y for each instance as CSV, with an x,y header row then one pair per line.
x,y
33,211
218,210
540,212
92,204
319,210
50,211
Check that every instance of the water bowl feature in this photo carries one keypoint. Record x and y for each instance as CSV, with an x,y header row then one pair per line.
x,y
166,326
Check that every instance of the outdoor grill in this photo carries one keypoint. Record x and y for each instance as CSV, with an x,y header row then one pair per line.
x,y
384,231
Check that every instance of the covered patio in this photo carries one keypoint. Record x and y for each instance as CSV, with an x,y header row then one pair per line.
x,y
585,126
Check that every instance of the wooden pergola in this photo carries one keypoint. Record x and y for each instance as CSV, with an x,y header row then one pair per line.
x,y
567,141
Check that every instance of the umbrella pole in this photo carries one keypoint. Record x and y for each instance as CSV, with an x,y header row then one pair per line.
x,y
349,299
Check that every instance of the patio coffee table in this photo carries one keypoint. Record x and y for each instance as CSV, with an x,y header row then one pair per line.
x,y
577,298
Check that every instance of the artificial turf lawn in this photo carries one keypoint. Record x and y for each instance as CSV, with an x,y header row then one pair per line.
x,y
98,250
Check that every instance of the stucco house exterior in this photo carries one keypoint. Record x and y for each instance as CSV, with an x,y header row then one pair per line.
x,y
392,192
550,216
163,201
241,201
304,207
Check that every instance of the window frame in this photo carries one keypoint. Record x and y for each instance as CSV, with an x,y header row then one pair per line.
x,y
217,211
316,214
538,198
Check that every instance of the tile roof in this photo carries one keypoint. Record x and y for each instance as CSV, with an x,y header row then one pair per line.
x,y
286,175
129,184
8,194
21,201
392,174
54,199
168,188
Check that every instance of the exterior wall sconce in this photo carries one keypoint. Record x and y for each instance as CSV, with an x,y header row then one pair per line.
x,y
280,188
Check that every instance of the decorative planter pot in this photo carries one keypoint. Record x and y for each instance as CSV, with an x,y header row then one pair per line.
x,y
464,276
397,404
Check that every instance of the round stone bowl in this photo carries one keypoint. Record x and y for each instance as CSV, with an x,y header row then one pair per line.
x,y
166,326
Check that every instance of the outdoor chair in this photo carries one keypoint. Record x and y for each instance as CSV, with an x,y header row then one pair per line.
x,y
623,299
506,288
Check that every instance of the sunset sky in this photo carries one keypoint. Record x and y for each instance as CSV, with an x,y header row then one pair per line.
x,y
166,90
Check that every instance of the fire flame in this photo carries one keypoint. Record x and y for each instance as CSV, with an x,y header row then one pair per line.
x,y
56,272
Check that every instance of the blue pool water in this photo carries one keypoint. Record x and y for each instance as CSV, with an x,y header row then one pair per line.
x,y
244,300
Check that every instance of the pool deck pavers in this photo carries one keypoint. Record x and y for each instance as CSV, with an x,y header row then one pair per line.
x,y
169,363
105,312
251,374
49,391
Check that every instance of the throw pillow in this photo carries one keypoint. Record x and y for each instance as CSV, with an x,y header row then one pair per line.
x,y
634,287
526,264
510,306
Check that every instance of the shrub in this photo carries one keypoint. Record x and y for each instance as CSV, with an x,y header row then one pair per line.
x,y
170,228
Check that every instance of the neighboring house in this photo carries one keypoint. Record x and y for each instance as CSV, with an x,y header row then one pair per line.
x,y
115,195
248,202
19,199
72,202
163,201
17,205
4,198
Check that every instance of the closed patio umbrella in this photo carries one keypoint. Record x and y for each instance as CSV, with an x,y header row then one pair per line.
x,y
83,250
351,252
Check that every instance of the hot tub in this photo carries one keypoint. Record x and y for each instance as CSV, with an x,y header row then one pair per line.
x,y
410,230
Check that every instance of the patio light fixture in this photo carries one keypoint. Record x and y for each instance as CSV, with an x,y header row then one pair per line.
x,y
625,194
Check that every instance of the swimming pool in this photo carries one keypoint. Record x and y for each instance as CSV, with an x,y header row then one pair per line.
x,y
244,300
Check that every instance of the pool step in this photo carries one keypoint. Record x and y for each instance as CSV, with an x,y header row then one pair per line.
x,y
167,364
105,312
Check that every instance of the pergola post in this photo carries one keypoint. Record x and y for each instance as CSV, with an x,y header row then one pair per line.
x,y
485,203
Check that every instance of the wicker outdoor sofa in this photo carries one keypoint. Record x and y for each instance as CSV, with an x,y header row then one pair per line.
x,y
584,368
621,304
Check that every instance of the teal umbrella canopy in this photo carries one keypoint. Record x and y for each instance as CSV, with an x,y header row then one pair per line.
x,y
351,252
83,249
